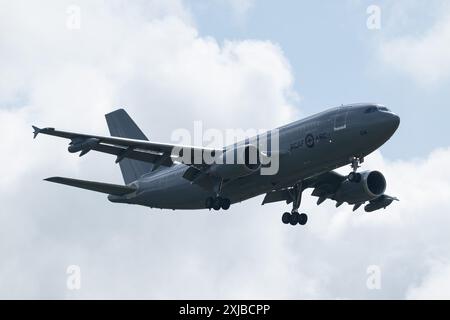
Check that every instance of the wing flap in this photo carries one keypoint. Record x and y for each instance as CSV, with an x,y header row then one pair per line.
x,y
278,195
122,153
114,189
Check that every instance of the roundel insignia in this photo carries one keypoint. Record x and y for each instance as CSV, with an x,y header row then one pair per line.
x,y
309,140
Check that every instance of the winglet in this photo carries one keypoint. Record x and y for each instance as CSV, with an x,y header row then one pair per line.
x,y
36,131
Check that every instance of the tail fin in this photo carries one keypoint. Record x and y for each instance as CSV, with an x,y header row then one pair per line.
x,y
121,125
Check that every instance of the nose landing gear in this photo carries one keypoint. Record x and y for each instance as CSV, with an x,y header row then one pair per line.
x,y
294,217
355,164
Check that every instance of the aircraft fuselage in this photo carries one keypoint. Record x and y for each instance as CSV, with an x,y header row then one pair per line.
x,y
308,147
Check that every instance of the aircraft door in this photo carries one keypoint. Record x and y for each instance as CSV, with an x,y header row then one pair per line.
x,y
340,119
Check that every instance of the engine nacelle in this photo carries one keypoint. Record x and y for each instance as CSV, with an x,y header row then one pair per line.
x,y
379,203
371,186
82,145
237,162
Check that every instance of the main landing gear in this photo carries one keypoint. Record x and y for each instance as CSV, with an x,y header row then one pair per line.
x,y
355,164
294,217
217,203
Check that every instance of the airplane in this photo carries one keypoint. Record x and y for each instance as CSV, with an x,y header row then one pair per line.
x,y
158,175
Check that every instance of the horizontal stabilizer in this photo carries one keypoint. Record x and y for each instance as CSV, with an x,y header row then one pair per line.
x,y
108,188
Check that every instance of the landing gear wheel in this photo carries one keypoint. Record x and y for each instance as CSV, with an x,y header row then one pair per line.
x,y
225,204
209,202
217,203
293,219
302,219
286,217
354,177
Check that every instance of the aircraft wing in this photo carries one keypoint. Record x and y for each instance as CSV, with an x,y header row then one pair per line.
x,y
325,186
154,152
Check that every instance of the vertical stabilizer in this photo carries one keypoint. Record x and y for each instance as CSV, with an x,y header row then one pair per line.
x,y
121,125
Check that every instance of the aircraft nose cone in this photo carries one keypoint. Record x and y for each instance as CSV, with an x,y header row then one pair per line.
x,y
386,125
395,121
390,123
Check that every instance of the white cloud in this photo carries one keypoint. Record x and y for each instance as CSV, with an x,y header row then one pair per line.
x,y
167,75
424,55
241,7
155,64
149,58
436,284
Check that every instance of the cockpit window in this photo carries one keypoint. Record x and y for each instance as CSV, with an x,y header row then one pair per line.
x,y
370,110
374,109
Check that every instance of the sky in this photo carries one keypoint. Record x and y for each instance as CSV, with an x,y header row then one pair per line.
x,y
230,64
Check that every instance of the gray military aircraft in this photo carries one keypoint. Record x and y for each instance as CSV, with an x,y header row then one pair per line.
x,y
158,175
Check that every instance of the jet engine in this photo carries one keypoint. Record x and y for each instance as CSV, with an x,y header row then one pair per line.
x,y
371,185
82,145
237,162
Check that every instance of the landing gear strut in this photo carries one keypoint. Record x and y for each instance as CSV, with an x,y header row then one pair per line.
x,y
218,202
355,164
294,217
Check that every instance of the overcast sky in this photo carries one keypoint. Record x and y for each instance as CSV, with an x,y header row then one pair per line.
x,y
230,64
